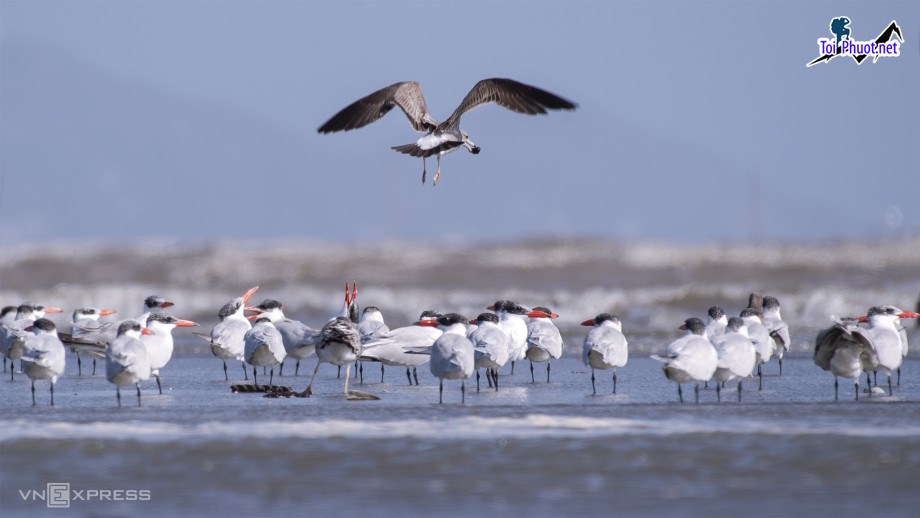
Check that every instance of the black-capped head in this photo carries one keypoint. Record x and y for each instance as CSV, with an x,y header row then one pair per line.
x,y
429,314
25,309
694,325
750,312
43,324
499,305
514,308
7,310
770,302
155,301
269,304
83,312
451,319
128,326
487,317
606,317
716,312
735,323
162,318
230,308
370,309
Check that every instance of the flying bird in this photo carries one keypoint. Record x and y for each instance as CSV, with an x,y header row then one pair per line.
x,y
442,137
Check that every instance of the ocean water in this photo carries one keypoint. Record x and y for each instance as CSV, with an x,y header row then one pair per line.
x,y
545,449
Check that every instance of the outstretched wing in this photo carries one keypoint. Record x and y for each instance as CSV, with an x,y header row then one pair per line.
x,y
511,94
407,95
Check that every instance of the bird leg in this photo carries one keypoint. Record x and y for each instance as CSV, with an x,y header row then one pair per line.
x,y
138,385
593,386
255,380
280,370
52,394
225,371
495,378
488,375
680,393
512,367
462,392
33,392
760,377
438,173
477,381
856,385
118,394
359,368
79,366
780,366
441,392
309,390
94,366
696,391
409,376
836,387
415,375
718,392
424,169
532,380
899,376
159,387
296,369
547,372
890,391
347,371
245,375
614,379
271,376
739,391
381,372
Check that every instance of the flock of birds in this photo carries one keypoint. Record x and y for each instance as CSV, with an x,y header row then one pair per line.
x,y
719,350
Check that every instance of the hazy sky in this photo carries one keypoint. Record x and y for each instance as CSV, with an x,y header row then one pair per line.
x,y
696,121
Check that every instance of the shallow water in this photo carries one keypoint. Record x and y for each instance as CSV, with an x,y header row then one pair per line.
x,y
530,448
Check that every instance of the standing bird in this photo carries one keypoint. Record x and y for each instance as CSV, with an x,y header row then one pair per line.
x,y
442,138
544,342
716,322
226,339
159,344
264,347
371,327
760,337
511,319
736,354
846,350
452,354
86,327
43,354
299,339
126,360
339,342
885,338
605,346
13,334
490,347
400,347
779,330
690,358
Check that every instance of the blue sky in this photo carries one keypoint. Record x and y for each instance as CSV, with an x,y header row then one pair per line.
x,y
697,122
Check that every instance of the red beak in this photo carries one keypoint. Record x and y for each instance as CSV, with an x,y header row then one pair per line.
x,y
491,308
538,314
427,323
29,329
473,322
589,322
862,318
106,312
249,293
683,327
909,314
185,323
146,331
167,304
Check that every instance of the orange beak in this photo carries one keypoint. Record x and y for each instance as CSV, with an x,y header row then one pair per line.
x,y
146,331
49,310
249,293
909,314
589,322
106,312
427,323
167,304
185,323
539,314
